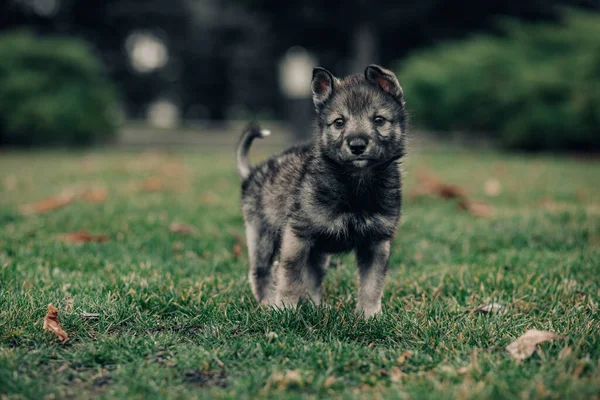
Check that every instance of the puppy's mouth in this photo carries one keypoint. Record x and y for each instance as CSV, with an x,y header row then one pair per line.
x,y
361,163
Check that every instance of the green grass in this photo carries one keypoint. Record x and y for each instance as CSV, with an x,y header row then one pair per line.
x,y
177,318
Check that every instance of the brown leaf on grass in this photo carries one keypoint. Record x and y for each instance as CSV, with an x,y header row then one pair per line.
x,y
396,374
404,356
173,169
238,246
52,324
330,381
48,204
477,208
153,184
430,185
180,227
95,195
83,237
492,187
283,381
524,346
237,250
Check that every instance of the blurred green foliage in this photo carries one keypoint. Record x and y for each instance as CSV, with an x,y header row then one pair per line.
x,y
53,91
536,87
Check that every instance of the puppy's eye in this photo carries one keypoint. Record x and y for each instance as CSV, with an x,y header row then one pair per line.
x,y
339,123
379,121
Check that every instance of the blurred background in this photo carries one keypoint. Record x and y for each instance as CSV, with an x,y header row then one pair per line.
x,y
518,74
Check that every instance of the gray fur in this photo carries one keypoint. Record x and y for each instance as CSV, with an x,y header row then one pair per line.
x,y
342,192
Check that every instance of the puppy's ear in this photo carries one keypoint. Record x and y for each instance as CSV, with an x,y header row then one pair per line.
x,y
386,80
322,86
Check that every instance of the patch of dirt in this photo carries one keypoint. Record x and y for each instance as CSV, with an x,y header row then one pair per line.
x,y
206,378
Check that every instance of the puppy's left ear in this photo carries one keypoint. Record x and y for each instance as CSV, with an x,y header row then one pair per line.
x,y
386,80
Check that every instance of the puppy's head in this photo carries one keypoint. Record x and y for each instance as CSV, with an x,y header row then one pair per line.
x,y
361,121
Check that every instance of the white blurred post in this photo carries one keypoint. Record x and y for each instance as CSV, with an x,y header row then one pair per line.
x,y
295,75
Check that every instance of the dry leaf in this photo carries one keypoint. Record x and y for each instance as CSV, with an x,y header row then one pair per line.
x,y
52,324
330,381
236,250
83,237
396,374
492,187
282,381
48,204
431,185
179,227
488,308
476,207
524,346
404,356
238,247
173,169
153,184
95,195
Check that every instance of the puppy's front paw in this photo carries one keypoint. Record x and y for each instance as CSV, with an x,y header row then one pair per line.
x,y
368,312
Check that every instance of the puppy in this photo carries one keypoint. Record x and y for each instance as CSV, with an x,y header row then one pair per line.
x,y
340,193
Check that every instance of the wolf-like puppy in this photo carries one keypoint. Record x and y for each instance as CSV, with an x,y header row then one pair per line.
x,y
337,194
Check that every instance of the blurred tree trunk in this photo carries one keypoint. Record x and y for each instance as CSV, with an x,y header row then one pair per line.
x,y
365,46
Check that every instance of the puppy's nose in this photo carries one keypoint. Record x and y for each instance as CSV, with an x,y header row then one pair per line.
x,y
357,145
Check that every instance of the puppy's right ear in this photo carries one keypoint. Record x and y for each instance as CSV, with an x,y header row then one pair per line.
x,y
322,86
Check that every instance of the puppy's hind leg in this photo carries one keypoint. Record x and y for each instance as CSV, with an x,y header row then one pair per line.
x,y
292,269
262,245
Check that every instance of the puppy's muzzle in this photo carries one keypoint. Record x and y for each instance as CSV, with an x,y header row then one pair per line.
x,y
357,144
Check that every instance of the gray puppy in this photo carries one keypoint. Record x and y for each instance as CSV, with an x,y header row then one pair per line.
x,y
337,194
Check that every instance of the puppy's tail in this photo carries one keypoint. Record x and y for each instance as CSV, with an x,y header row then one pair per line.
x,y
252,131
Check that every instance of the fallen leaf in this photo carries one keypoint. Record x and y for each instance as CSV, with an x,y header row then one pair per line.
x,y
52,324
153,184
173,169
524,346
404,356
430,185
87,315
83,237
476,207
492,187
236,250
238,246
283,381
488,308
179,227
396,374
330,381
463,370
48,204
95,195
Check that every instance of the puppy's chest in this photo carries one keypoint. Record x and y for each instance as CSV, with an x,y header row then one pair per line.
x,y
343,223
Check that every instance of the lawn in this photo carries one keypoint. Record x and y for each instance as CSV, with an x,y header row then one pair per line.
x,y
177,319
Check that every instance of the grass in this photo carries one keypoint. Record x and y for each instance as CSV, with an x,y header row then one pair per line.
x,y
177,318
